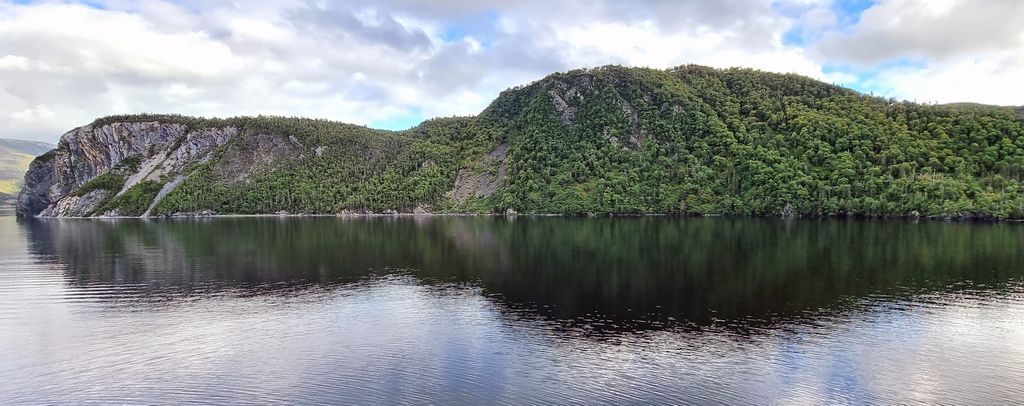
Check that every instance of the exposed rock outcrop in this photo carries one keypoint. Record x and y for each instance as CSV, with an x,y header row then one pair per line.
x,y
262,154
482,182
568,94
75,205
151,151
35,196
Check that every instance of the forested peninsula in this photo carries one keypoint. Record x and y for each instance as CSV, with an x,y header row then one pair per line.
x,y
690,140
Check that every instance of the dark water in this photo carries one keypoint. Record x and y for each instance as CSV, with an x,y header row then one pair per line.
x,y
492,311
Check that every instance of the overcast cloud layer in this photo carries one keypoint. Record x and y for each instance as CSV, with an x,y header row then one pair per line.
x,y
392,63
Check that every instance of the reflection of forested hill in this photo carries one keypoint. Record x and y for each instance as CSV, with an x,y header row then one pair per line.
x,y
688,269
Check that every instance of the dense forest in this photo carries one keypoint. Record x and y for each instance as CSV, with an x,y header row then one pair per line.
x,y
614,140
699,140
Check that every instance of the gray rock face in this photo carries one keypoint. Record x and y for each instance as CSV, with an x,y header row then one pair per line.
x,y
263,154
163,151
788,211
168,187
482,182
35,195
568,94
75,206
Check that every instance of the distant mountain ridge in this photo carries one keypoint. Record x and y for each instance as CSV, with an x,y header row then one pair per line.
x,y
34,148
689,140
15,156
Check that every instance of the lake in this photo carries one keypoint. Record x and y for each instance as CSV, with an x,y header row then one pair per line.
x,y
493,310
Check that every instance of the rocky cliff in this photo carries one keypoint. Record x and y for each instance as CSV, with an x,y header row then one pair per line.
x,y
57,183
152,165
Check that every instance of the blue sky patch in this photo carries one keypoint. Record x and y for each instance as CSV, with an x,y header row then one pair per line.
x,y
795,37
96,4
398,122
866,78
848,13
480,26
453,33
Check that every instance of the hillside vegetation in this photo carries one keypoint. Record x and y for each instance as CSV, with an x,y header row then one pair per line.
x,y
616,140
701,140
328,168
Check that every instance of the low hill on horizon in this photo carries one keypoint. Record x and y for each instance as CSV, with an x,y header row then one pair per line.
x,y
608,140
15,156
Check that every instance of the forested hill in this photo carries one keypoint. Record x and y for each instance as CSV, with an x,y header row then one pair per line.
x,y
687,140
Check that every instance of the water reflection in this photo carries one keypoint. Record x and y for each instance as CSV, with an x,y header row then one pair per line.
x,y
498,311
612,273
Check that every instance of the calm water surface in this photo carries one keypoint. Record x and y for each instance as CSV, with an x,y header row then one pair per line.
x,y
510,311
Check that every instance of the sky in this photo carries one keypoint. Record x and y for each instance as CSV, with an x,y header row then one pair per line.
x,y
392,63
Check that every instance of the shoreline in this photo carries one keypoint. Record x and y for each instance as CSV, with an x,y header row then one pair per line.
x,y
947,219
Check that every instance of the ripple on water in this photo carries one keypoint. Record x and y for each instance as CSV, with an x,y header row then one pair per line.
x,y
433,312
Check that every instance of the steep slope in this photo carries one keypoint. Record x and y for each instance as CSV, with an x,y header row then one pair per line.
x,y
164,165
700,140
15,156
688,140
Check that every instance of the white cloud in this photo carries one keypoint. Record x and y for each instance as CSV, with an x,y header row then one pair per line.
x,y
13,62
34,115
111,42
934,30
181,91
935,51
360,63
993,78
